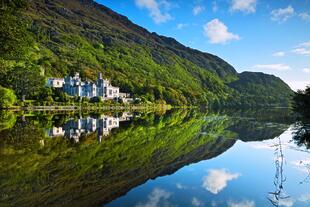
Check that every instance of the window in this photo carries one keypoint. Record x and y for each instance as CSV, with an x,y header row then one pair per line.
x,y
110,92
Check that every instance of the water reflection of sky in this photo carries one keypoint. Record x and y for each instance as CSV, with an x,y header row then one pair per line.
x,y
244,176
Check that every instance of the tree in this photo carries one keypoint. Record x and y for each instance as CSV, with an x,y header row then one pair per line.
x,y
26,81
302,106
7,119
7,97
45,94
302,102
96,100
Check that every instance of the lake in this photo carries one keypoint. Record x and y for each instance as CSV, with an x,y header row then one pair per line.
x,y
233,158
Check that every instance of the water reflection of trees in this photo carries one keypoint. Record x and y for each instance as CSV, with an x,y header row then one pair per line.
x,y
148,147
301,105
152,145
307,178
302,134
7,119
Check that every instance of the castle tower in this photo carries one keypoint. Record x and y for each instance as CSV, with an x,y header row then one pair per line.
x,y
100,85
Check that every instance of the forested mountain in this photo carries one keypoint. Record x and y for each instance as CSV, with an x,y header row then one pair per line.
x,y
261,88
56,38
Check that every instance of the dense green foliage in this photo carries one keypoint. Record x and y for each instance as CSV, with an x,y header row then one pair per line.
x,y
26,81
18,70
261,89
61,37
7,99
302,106
14,38
302,102
7,120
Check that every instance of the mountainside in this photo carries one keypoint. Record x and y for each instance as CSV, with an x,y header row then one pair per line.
x,y
260,88
82,36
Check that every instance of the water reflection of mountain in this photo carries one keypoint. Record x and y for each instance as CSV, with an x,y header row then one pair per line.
x,y
39,171
75,128
253,130
260,124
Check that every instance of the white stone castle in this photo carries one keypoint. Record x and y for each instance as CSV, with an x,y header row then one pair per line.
x,y
74,86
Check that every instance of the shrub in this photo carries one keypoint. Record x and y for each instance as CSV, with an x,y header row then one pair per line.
x,y
96,100
7,97
85,100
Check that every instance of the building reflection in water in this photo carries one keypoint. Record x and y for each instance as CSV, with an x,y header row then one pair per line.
x,y
75,128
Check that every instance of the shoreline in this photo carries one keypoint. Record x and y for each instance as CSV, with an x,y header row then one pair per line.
x,y
88,108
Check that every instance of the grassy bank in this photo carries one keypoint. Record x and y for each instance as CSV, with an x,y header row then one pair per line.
x,y
87,107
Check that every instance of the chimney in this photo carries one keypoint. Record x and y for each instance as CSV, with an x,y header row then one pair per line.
x,y
100,75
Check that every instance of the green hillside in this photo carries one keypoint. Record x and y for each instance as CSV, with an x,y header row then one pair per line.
x,y
56,38
261,89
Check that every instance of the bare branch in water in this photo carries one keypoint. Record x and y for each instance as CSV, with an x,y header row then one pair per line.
x,y
279,194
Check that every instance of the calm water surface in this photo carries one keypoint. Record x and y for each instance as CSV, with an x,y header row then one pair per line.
x,y
234,158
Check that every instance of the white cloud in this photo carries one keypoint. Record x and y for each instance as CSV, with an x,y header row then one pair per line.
x,y
301,165
198,9
181,26
287,202
153,6
306,70
156,197
304,16
214,6
301,51
241,204
282,14
218,33
247,6
166,4
279,67
304,198
196,202
262,145
279,54
304,44
180,186
217,180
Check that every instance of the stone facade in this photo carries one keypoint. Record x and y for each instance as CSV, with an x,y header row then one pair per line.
x,y
55,82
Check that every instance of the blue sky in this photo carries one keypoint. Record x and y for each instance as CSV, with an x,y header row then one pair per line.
x,y
271,36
